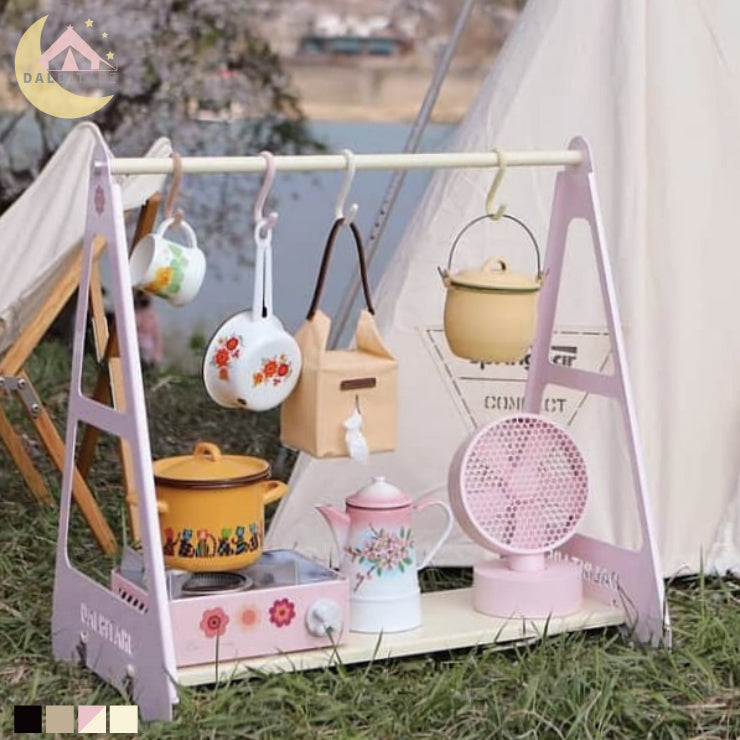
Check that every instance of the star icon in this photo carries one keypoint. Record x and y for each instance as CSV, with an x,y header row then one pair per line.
x,y
105,35
88,23
110,55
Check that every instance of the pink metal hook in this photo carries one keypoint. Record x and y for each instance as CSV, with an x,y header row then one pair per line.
x,y
265,222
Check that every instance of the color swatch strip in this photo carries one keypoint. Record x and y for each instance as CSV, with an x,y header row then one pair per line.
x,y
91,718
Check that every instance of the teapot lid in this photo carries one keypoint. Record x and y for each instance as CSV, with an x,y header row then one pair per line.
x,y
495,276
378,494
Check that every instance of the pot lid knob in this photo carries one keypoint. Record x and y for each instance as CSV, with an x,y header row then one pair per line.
x,y
379,494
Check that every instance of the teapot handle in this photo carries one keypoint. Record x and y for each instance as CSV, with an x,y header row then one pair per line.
x,y
489,216
423,504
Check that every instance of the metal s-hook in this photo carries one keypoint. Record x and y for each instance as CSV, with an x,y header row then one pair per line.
x,y
265,223
344,192
174,191
500,172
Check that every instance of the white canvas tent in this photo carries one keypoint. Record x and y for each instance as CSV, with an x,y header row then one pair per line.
x,y
41,233
655,89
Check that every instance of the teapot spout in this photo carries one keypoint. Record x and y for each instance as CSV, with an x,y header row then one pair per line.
x,y
338,522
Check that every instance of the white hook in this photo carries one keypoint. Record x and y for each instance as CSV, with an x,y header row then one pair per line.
x,y
265,223
495,186
344,192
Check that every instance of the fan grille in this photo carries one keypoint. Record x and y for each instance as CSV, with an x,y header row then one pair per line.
x,y
524,484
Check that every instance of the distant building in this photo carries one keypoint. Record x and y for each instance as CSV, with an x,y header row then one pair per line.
x,y
383,46
351,36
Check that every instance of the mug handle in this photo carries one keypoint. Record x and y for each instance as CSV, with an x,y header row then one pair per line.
x,y
190,237
423,504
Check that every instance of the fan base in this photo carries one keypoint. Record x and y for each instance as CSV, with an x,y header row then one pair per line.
x,y
500,591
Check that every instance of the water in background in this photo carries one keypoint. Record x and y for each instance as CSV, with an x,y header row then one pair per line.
x,y
305,203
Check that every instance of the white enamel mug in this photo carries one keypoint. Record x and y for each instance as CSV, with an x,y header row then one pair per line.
x,y
251,362
168,269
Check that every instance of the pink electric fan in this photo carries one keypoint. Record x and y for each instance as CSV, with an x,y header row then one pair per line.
x,y
518,487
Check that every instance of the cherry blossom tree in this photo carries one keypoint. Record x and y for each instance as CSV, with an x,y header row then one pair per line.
x,y
193,70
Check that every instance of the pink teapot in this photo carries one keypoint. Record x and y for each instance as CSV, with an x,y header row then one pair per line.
x,y
378,556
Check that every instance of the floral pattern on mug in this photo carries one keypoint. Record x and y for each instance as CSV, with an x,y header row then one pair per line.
x,y
214,621
168,279
384,552
228,349
282,612
274,370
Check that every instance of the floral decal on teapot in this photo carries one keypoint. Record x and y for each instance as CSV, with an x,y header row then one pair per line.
x,y
228,348
274,370
384,553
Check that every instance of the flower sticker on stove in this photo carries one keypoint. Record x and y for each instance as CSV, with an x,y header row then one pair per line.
x,y
214,621
282,612
249,617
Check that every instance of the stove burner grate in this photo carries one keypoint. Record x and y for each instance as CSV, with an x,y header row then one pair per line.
x,y
202,584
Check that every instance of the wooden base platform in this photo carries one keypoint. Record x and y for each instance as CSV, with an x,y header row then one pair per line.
x,y
449,623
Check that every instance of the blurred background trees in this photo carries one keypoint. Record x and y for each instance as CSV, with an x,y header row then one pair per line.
x,y
180,63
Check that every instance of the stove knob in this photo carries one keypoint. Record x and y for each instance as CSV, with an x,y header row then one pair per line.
x,y
324,618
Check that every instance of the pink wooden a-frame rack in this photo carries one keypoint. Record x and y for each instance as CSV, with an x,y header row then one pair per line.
x,y
129,648
133,648
634,575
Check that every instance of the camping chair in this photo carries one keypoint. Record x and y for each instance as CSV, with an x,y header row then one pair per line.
x,y
30,299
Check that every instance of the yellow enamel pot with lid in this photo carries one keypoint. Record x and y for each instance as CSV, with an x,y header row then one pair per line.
x,y
212,508
490,313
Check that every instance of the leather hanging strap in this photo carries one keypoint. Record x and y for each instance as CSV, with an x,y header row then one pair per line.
x,y
337,225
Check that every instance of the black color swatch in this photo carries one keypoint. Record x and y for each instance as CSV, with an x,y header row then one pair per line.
x,y
27,718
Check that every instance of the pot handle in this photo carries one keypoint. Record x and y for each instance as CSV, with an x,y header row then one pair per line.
x,y
162,506
207,449
423,504
273,490
489,216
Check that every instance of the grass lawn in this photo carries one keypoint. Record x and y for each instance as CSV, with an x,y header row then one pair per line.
x,y
584,685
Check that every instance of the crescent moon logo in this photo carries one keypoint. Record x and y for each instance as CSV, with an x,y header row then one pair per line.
x,y
37,84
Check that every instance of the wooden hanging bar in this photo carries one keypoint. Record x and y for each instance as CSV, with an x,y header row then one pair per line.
x,y
329,162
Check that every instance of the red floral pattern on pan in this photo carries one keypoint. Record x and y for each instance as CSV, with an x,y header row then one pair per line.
x,y
228,348
274,370
282,612
214,621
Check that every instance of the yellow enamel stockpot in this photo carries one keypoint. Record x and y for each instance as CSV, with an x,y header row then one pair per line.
x,y
211,508
490,313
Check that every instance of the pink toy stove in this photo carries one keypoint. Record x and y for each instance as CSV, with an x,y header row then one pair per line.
x,y
282,603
